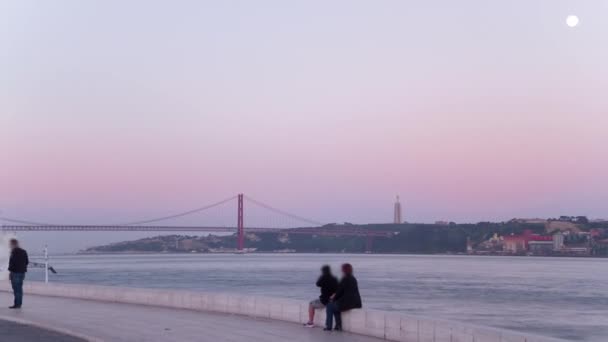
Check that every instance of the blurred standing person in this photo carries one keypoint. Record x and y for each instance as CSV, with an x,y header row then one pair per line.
x,y
17,266
347,297
328,285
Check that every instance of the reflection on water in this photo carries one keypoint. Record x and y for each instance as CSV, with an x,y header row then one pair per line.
x,y
560,297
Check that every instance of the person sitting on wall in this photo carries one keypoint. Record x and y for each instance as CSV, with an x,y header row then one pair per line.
x,y
328,284
347,297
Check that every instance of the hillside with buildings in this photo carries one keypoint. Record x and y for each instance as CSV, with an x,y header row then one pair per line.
x,y
566,236
563,236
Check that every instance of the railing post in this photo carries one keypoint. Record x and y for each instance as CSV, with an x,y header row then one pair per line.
x,y
46,264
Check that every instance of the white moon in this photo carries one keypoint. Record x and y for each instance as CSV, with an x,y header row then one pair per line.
x,y
572,21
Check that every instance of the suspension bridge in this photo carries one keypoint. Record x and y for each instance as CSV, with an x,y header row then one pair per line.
x,y
264,219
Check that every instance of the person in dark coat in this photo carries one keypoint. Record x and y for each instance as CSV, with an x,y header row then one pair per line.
x,y
17,266
328,285
346,298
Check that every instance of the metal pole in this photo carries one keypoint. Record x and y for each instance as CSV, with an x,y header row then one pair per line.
x,y
46,264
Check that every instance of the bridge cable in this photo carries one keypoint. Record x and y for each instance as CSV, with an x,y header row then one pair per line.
x,y
29,223
281,212
158,219
185,213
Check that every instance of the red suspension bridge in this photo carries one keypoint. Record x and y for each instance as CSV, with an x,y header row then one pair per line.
x,y
281,222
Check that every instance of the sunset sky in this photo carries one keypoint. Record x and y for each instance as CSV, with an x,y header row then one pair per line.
x,y
470,110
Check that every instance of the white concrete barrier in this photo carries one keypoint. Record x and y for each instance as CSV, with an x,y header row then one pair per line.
x,y
391,326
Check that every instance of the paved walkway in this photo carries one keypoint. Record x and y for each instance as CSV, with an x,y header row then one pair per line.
x,y
11,331
132,323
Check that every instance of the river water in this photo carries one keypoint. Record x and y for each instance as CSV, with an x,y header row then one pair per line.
x,y
559,297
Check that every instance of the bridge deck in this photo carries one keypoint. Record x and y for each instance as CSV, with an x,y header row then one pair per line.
x,y
126,322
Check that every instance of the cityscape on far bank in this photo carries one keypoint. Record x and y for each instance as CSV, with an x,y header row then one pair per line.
x,y
564,236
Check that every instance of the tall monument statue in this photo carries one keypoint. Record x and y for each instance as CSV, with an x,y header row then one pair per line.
x,y
397,213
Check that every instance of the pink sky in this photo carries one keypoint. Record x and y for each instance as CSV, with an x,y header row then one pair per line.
x,y
470,111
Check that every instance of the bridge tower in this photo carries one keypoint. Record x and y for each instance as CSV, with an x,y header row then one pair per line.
x,y
240,225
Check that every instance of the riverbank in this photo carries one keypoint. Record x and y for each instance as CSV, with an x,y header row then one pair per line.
x,y
112,321
101,311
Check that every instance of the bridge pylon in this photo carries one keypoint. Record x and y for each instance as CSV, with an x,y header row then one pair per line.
x,y
240,225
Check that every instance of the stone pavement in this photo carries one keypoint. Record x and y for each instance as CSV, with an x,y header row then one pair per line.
x,y
133,323
11,331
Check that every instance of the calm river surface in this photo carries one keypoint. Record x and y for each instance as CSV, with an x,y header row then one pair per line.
x,y
559,297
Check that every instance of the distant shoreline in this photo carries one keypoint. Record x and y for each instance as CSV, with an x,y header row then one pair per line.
x,y
336,253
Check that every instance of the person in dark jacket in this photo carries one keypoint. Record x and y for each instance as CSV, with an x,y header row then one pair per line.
x,y
328,284
346,298
17,266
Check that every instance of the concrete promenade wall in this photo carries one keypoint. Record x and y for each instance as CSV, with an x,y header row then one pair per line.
x,y
390,326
